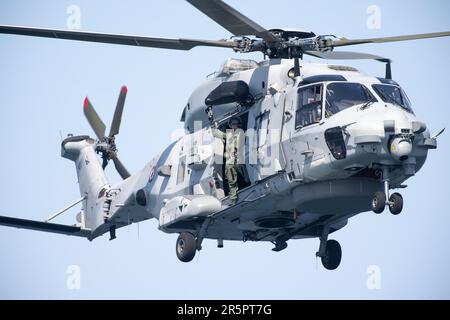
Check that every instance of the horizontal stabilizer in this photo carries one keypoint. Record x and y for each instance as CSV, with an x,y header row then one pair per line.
x,y
44,226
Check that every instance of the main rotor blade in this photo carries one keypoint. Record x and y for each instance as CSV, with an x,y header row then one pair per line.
x,y
44,226
94,120
345,55
231,19
349,42
123,172
129,40
115,125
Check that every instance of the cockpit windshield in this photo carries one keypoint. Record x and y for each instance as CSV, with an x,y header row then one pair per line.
x,y
343,95
393,94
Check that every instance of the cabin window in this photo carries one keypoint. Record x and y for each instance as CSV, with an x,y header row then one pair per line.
x,y
343,95
181,169
309,106
393,94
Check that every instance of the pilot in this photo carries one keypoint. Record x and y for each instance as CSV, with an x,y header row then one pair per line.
x,y
234,139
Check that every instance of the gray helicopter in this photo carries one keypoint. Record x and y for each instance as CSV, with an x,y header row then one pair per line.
x,y
323,143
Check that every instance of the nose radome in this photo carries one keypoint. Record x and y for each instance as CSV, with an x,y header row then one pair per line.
x,y
391,125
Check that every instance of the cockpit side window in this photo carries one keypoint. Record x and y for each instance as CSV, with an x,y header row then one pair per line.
x,y
309,106
343,95
393,94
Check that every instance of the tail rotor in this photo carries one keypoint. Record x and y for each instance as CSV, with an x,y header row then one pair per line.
x,y
106,145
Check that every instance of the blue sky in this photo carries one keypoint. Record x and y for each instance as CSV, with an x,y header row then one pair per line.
x,y
44,81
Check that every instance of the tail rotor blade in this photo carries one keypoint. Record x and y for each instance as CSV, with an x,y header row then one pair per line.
x,y
94,120
123,172
115,125
107,146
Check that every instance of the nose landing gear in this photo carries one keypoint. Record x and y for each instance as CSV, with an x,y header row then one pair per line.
x,y
378,202
380,199
396,203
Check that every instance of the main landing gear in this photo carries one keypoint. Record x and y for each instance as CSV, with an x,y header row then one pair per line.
x,y
380,199
330,251
186,246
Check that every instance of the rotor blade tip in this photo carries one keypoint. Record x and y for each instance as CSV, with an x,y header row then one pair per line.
x,y
124,89
86,103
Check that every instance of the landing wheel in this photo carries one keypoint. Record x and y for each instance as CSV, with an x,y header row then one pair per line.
x,y
378,202
186,247
396,203
333,255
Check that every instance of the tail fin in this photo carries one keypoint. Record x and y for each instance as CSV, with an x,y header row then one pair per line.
x,y
91,177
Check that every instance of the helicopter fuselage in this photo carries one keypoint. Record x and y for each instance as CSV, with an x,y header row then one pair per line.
x,y
318,147
323,142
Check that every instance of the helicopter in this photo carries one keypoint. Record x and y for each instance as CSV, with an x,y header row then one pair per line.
x,y
324,142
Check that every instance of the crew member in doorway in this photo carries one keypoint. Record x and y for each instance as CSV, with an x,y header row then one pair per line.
x,y
234,139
